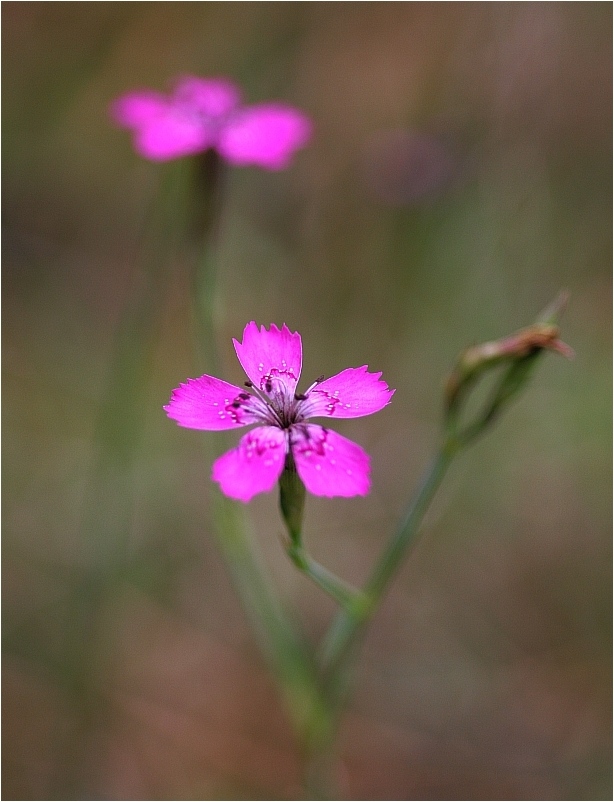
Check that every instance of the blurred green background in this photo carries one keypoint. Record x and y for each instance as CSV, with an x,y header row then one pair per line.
x,y
460,175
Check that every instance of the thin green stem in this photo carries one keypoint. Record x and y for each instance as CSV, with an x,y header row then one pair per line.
x,y
107,515
348,624
276,633
291,504
406,534
339,644
204,229
348,597
285,651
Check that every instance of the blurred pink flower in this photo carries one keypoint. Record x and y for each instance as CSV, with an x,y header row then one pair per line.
x,y
207,113
327,463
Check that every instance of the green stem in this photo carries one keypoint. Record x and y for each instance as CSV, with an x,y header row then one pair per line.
x,y
348,624
292,503
407,532
283,648
107,517
107,514
204,228
347,596
343,636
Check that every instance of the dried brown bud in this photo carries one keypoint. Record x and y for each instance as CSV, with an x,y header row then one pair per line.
x,y
518,351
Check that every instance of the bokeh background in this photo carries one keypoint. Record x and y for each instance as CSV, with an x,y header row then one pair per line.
x,y
460,175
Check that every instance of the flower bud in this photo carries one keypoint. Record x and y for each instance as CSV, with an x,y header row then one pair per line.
x,y
518,352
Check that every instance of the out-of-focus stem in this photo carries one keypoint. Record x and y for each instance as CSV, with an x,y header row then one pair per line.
x,y
204,230
107,512
108,501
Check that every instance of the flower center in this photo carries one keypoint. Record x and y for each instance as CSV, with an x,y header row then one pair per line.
x,y
274,401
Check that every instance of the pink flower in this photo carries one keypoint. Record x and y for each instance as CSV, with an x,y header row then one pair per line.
x,y
327,463
207,113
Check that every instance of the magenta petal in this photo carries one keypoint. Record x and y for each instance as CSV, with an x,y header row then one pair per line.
x,y
329,464
171,135
266,135
209,403
254,466
270,353
349,394
138,108
213,98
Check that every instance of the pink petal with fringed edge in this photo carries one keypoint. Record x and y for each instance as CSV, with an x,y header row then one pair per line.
x,y
271,354
213,98
329,464
209,403
254,466
350,394
137,109
266,135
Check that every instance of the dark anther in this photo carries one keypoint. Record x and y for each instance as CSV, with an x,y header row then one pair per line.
x,y
244,396
320,379
300,396
235,404
248,384
268,385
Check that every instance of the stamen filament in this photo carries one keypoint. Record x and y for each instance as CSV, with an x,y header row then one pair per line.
x,y
319,380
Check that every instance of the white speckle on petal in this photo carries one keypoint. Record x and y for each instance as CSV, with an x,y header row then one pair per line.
x,y
349,471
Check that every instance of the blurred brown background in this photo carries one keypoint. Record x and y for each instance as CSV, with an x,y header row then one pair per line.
x,y
459,177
